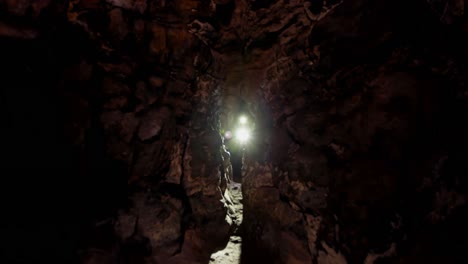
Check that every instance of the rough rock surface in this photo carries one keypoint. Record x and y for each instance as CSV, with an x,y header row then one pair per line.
x,y
233,250
358,152
139,111
355,120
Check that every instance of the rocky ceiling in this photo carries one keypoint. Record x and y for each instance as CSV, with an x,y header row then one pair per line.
x,y
112,113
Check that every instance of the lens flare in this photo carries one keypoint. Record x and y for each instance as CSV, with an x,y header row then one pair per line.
x,y
228,135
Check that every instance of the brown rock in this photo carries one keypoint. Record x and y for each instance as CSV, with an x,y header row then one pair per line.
x,y
14,32
160,221
182,108
147,160
89,4
125,226
117,26
116,103
186,7
139,29
179,41
156,81
158,44
112,87
223,2
136,5
128,4
314,199
123,69
129,124
111,119
140,6
80,72
39,5
175,172
152,123
18,7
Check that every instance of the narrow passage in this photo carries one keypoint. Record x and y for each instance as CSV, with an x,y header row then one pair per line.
x,y
232,252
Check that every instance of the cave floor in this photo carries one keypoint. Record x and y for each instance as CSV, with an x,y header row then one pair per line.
x,y
232,252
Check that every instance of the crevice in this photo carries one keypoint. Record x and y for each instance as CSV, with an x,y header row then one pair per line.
x,y
232,199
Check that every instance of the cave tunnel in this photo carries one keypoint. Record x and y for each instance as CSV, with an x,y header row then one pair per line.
x,y
233,131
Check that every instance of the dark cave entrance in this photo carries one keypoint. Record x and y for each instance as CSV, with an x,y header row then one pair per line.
x,y
236,162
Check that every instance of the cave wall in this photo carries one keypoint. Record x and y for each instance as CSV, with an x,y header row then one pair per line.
x,y
117,104
361,162
357,154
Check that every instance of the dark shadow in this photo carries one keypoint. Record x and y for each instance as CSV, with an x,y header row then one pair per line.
x,y
236,161
224,12
52,191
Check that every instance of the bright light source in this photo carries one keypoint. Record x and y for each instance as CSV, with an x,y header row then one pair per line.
x,y
243,120
242,135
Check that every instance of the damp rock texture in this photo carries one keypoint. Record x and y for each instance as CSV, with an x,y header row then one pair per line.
x,y
355,143
112,113
134,102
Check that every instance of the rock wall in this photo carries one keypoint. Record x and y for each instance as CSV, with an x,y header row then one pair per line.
x,y
138,100
119,103
357,136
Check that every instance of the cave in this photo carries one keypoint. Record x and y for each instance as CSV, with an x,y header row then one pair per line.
x,y
233,131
